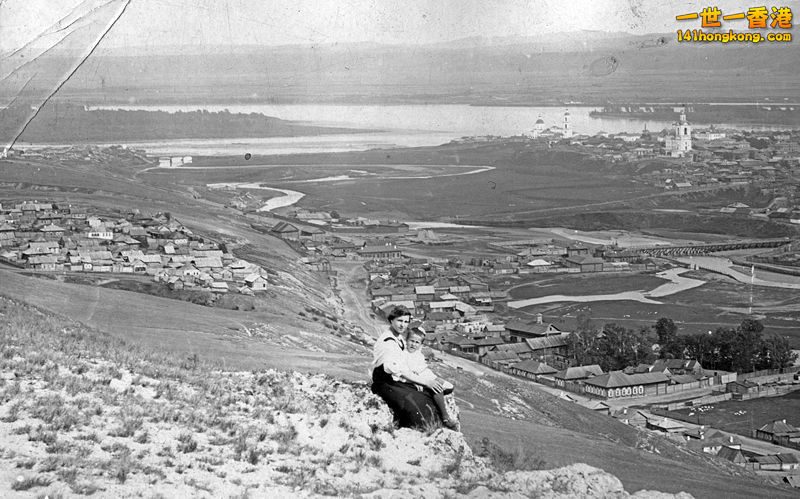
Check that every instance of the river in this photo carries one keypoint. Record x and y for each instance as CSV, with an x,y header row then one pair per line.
x,y
393,125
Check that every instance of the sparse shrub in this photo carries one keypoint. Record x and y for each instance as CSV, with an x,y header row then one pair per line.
x,y
41,435
186,443
375,443
84,488
26,483
58,447
122,467
142,438
13,412
217,439
26,464
91,437
502,460
252,456
51,463
285,436
68,474
127,427
360,457
152,470
10,391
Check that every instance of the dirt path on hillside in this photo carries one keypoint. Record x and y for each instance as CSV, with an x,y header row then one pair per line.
x,y
351,288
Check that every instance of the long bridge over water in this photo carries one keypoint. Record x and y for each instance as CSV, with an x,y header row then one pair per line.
x,y
703,248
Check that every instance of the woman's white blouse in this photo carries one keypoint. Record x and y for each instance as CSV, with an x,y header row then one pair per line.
x,y
388,351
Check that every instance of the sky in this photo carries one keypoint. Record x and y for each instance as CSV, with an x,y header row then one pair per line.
x,y
199,23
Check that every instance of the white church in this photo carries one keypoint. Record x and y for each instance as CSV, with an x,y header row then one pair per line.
x,y
679,142
562,131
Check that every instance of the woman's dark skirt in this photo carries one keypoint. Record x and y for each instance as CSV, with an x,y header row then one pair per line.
x,y
412,407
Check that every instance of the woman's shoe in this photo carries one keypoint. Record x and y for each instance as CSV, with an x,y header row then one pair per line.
x,y
451,423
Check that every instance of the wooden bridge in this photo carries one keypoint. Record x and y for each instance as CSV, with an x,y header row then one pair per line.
x,y
702,249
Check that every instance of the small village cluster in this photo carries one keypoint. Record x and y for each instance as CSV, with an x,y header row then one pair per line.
x,y
729,447
683,159
382,248
60,237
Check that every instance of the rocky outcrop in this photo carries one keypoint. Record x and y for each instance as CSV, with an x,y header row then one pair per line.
x,y
83,414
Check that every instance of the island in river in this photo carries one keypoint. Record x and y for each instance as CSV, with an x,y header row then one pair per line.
x,y
59,123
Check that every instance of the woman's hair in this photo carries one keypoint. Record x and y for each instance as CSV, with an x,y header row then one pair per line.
x,y
398,311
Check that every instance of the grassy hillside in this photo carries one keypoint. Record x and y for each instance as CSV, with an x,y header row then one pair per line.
x,y
82,413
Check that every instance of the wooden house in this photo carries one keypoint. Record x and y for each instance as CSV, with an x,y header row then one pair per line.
x,y
518,330
617,384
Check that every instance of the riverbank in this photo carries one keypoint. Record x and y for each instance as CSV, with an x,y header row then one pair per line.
x,y
726,267
675,285
73,124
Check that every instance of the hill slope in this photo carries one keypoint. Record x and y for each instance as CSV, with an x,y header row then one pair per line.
x,y
82,413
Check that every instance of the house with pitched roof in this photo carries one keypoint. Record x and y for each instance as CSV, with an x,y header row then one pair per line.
x,y
665,425
256,282
531,369
733,455
287,231
677,366
779,432
518,330
380,252
584,263
549,346
496,360
577,374
617,384
711,440
521,349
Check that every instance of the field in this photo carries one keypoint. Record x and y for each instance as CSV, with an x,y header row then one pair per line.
x,y
721,302
741,416
424,183
583,284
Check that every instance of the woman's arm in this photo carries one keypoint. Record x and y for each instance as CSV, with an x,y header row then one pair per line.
x,y
395,361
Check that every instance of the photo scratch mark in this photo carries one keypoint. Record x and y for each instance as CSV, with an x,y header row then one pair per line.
x,y
40,96
603,66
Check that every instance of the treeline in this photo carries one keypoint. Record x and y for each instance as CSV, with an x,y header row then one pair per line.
x,y
68,123
740,349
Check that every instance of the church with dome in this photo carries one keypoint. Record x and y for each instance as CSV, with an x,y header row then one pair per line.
x,y
561,131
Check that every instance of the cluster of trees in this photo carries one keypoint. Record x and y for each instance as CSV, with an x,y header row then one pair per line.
x,y
613,348
741,349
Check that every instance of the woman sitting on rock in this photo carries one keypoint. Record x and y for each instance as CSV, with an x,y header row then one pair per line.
x,y
395,383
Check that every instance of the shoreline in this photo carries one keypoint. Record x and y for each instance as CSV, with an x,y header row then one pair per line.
x,y
675,285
